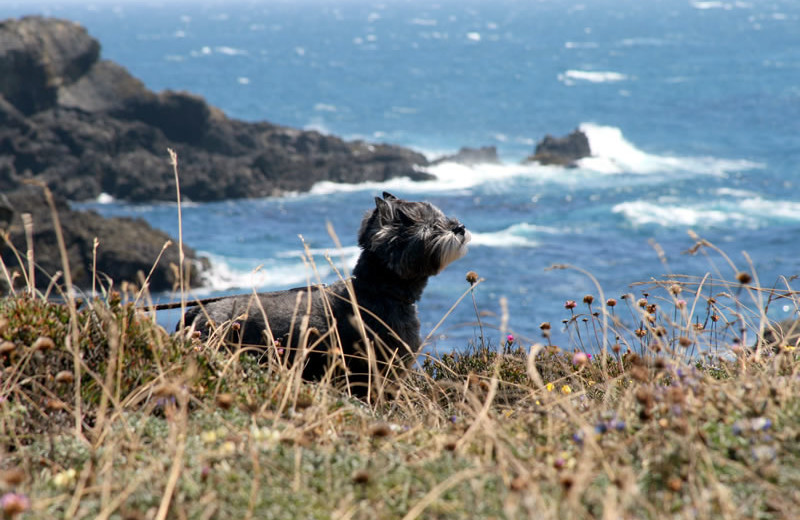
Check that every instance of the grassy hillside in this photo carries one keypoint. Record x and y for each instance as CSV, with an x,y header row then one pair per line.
x,y
670,402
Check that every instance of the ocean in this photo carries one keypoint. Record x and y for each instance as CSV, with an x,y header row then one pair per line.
x,y
691,109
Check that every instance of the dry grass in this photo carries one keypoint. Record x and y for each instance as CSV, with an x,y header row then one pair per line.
x,y
662,404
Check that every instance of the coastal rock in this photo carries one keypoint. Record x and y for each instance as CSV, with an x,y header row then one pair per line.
x,y
117,258
562,151
472,156
86,126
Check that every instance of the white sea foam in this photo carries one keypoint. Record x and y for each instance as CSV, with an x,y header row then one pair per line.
x,y
754,212
229,51
571,76
612,153
225,275
517,235
105,198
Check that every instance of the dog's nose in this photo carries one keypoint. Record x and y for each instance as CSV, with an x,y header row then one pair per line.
x,y
459,229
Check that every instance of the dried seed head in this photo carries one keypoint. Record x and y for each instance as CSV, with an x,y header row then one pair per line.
x,y
684,342
642,302
743,278
588,299
472,277
545,325
611,302
361,477
43,343
225,401
616,348
675,289
381,430
518,483
64,377
13,477
570,304
7,347
55,405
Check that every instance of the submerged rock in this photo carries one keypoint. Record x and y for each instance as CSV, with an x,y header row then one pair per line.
x,y
562,151
472,156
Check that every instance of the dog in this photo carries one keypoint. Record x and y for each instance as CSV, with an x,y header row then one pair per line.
x,y
357,331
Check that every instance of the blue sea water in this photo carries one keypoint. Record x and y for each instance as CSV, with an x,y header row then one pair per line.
x,y
691,108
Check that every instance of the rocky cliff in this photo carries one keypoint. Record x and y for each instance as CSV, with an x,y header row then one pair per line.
x,y
85,126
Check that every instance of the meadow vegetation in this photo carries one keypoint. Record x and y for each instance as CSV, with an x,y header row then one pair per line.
x,y
673,401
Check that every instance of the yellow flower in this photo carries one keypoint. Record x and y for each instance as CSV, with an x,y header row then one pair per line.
x,y
590,382
209,437
65,478
228,448
566,389
550,387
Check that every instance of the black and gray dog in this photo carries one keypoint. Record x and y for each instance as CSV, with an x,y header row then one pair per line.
x,y
403,243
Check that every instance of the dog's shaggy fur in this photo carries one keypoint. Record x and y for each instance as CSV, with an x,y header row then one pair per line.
x,y
362,329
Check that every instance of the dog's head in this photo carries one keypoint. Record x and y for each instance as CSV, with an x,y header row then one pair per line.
x,y
414,239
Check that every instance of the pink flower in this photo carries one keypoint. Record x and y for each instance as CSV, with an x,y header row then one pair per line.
x,y
510,338
580,358
570,304
13,504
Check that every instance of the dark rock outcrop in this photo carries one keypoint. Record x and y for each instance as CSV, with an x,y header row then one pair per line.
x,y
126,247
562,151
472,156
85,126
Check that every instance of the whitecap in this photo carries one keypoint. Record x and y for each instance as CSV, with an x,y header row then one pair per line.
x,y
613,154
751,212
229,51
226,274
105,198
570,76
323,107
513,236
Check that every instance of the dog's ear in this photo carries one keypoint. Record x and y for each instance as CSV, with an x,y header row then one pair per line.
x,y
388,196
385,211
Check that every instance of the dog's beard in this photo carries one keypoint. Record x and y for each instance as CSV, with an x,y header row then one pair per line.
x,y
449,247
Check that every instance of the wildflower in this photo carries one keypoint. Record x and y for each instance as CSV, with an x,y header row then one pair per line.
x,y
580,359
570,304
65,478
545,325
743,278
680,304
13,504
510,339
601,428
566,389
611,302
209,437
550,387
642,303
675,289
472,277
228,448
588,299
